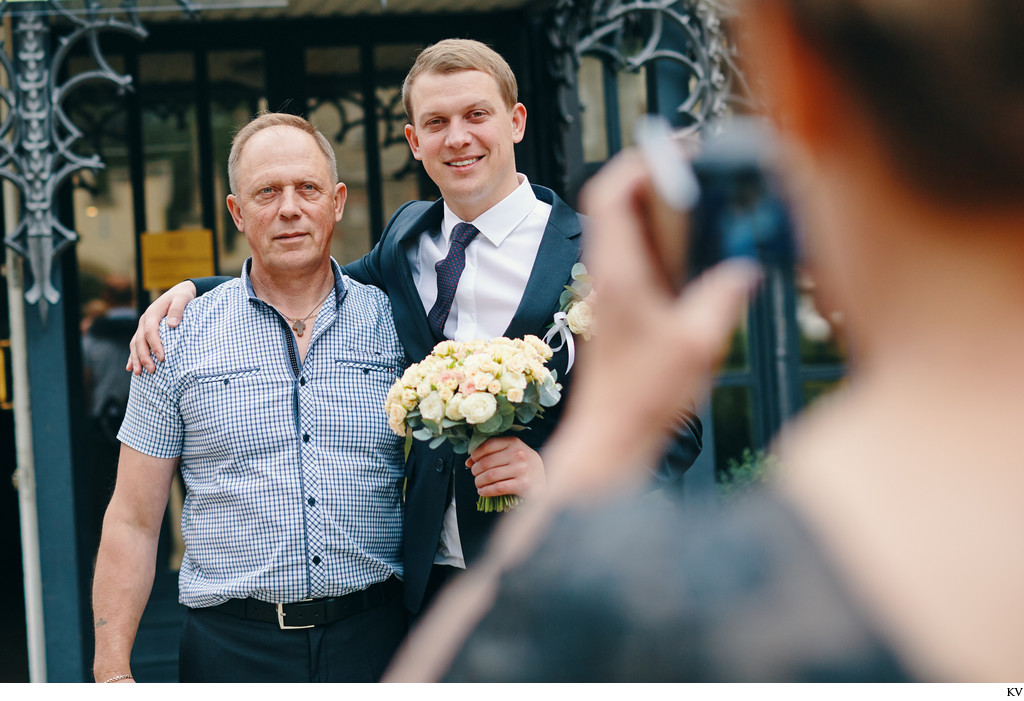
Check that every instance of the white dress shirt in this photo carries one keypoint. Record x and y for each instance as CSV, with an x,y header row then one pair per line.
x,y
499,262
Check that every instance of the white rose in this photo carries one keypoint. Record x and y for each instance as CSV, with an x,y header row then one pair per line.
x,y
432,407
479,407
580,319
513,380
452,410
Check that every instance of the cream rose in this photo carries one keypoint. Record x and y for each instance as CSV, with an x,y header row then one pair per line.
x,y
513,380
396,419
580,319
479,407
409,398
452,408
543,349
432,407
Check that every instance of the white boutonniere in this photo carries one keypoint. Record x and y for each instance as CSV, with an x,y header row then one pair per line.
x,y
576,312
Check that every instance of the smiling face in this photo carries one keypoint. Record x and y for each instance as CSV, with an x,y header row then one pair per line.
x,y
464,134
287,202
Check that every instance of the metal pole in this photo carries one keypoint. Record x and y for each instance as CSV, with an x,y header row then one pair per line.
x,y
25,471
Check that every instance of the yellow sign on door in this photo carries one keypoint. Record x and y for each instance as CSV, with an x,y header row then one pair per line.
x,y
168,257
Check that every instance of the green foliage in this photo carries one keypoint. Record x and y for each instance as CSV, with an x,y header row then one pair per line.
x,y
751,470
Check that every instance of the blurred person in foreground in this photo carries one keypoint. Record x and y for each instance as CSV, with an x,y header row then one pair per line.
x,y
887,548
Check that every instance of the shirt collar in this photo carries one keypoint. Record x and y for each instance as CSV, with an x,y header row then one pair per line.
x,y
497,222
339,281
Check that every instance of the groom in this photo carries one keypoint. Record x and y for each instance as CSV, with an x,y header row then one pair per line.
x,y
488,259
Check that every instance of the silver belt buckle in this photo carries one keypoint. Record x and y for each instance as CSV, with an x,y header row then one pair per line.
x,y
280,620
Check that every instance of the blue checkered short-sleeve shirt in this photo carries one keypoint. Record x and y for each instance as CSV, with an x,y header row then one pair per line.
x,y
292,476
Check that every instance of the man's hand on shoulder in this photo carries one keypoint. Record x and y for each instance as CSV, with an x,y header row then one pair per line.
x,y
146,341
507,466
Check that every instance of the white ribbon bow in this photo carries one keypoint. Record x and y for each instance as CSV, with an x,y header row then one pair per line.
x,y
561,328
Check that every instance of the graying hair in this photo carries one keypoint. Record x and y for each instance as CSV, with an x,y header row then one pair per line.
x,y
265,120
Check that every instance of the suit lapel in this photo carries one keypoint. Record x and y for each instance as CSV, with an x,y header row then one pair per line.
x,y
559,251
418,338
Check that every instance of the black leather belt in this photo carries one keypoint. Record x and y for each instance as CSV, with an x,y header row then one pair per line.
x,y
316,612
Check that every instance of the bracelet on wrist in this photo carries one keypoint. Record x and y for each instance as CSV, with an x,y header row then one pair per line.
x,y
119,677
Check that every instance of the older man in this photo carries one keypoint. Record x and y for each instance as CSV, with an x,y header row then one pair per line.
x,y
269,395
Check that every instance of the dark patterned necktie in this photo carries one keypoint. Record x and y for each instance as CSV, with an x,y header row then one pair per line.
x,y
449,271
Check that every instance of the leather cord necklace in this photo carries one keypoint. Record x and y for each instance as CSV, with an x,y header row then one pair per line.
x,y
297,324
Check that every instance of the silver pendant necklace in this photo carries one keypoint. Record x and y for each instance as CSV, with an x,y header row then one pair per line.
x,y
297,324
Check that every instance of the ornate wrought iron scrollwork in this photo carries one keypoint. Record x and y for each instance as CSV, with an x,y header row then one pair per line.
x,y
36,135
631,34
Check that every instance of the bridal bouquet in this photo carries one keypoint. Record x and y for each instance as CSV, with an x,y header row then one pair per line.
x,y
465,393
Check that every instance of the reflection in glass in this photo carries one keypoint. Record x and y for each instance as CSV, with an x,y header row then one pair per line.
x,y
171,142
335,107
236,94
103,212
402,176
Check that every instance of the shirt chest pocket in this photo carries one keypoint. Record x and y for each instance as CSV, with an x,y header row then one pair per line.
x,y
370,375
222,408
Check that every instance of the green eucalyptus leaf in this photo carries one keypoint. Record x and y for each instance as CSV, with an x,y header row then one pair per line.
x,y
477,440
526,412
491,425
506,421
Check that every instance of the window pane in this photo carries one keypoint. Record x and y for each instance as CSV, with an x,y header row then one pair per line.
x,y
403,176
236,94
103,213
731,413
592,110
170,141
335,106
632,101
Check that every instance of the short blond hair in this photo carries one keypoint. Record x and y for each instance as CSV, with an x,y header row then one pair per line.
x,y
265,120
452,55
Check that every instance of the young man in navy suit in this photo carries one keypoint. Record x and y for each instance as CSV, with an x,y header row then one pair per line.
x,y
513,245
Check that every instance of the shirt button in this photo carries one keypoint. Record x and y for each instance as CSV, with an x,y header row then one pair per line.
x,y
440,465
311,501
302,381
316,559
305,438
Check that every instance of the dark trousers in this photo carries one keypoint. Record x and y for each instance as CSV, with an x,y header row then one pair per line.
x,y
216,647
